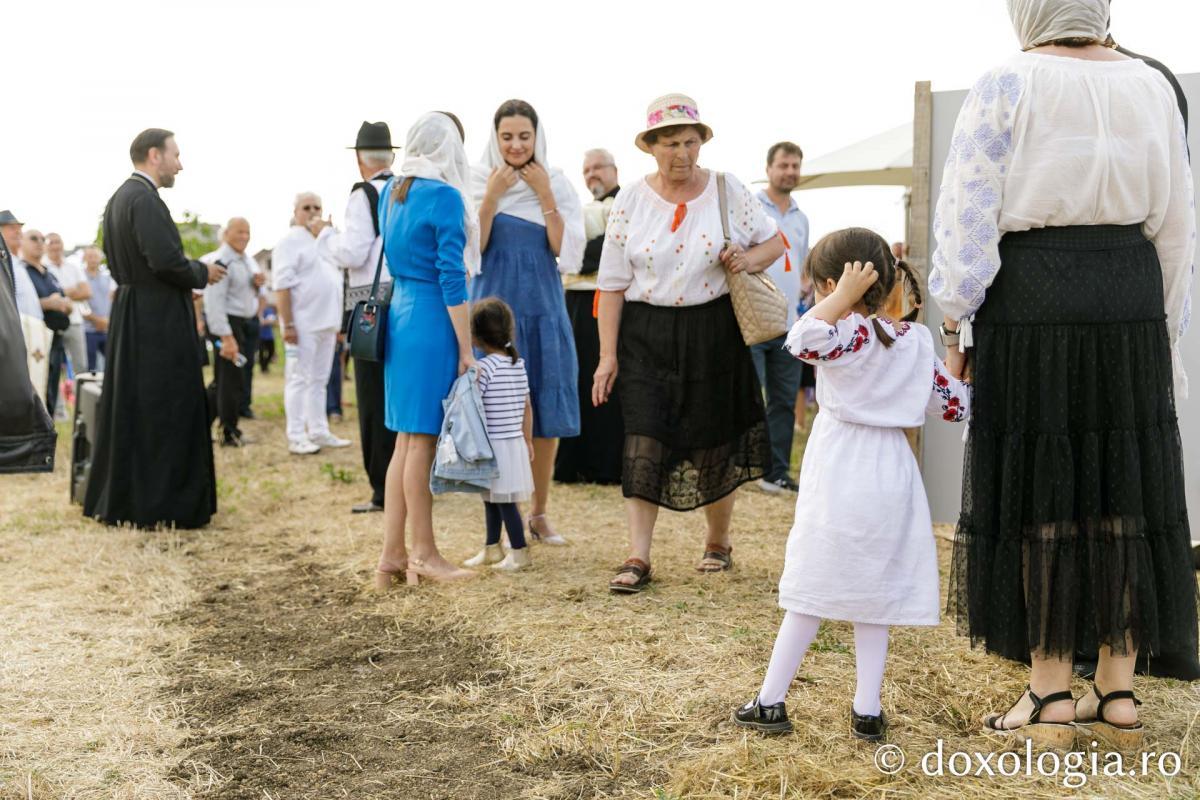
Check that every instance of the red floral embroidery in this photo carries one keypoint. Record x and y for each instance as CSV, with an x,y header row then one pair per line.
x,y
952,408
858,339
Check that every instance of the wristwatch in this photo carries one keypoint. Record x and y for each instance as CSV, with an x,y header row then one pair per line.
x,y
949,337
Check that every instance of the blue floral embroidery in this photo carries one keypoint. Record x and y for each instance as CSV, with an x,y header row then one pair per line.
x,y
968,234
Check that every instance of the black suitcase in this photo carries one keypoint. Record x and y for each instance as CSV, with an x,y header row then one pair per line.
x,y
83,438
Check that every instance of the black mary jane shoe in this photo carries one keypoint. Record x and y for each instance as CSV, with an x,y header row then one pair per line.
x,y
765,719
867,727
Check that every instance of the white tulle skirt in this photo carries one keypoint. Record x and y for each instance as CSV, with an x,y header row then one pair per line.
x,y
514,484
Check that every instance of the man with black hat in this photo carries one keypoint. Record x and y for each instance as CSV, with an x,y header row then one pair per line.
x,y
152,463
356,250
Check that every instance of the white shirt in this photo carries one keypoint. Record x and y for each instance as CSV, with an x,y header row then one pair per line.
x,y
652,264
68,276
1047,141
315,284
356,249
28,303
235,294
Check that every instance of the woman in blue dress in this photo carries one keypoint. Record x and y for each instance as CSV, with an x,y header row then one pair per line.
x,y
531,229
430,239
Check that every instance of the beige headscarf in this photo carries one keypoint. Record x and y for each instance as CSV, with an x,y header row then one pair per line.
x,y
1039,21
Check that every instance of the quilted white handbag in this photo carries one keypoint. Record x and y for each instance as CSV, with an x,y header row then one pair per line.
x,y
761,309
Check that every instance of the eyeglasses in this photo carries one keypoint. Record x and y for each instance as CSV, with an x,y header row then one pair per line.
x,y
36,239
310,208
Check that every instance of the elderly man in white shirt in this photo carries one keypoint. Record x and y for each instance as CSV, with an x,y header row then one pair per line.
x,y
76,288
356,251
230,306
309,292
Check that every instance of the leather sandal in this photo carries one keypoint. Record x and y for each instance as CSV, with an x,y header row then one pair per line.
x,y
636,567
1124,738
1055,735
717,558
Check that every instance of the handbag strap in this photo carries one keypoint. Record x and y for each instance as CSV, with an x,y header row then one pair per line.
x,y
382,244
723,204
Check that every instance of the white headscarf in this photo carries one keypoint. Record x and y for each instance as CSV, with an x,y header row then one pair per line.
x,y
522,201
1039,21
434,150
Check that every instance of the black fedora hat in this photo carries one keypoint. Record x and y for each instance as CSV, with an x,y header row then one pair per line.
x,y
374,136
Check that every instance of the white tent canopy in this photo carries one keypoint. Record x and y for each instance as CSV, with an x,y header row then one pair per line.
x,y
882,160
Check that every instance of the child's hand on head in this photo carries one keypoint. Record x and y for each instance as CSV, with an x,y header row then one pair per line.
x,y
856,279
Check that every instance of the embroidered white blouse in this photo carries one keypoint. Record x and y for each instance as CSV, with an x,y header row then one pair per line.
x,y
650,263
1045,141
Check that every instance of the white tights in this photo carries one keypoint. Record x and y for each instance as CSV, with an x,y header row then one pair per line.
x,y
796,634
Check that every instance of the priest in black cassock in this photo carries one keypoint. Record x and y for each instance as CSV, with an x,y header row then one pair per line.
x,y
153,460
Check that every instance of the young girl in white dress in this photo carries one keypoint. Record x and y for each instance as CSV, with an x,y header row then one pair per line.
x,y
862,547
504,386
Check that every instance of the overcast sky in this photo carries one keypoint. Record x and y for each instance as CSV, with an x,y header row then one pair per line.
x,y
264,96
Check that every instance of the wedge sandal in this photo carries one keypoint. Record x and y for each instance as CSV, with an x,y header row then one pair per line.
x,y
1051,735
1123,738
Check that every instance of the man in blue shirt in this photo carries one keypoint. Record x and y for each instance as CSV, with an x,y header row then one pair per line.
x,y
778,372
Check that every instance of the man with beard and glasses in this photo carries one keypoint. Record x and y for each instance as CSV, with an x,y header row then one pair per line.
x,y
778,372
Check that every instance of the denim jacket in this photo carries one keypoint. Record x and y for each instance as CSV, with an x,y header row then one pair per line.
x,y
463,461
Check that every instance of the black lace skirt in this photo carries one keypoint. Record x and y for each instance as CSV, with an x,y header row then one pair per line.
x,y
695,429
1074,530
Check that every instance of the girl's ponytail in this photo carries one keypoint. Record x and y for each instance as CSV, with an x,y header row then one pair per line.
x,y
914,289
511,351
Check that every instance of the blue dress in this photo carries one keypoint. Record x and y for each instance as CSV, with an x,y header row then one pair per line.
x,y
520,269
423,243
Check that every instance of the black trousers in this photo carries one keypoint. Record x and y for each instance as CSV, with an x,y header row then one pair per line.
x,y
249,350
377,441
225,391
58,355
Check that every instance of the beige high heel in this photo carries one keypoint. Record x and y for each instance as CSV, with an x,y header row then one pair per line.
x,y
490,554
418,569
551,537
385,579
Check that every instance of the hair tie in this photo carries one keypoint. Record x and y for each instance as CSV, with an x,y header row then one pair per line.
x,y
508,344
873,316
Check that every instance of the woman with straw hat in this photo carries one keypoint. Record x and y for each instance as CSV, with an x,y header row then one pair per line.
x,y
695,429
1065,236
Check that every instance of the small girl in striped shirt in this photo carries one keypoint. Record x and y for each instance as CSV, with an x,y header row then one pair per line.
x,y
504,386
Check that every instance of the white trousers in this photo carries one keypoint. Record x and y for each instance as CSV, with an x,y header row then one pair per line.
x,y
306,369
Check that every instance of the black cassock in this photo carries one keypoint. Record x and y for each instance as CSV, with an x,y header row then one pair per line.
x,y
153,462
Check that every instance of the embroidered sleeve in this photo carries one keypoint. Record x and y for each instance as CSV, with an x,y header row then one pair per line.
x,y
966,220
615,273
950,398
817,342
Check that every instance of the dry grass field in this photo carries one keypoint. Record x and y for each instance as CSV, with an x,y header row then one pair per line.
x,y
250,660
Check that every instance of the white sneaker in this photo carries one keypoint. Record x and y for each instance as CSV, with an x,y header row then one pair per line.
x,y
303,447
329,440
769,487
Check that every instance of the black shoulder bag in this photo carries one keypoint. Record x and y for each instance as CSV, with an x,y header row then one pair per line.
x,y
368,320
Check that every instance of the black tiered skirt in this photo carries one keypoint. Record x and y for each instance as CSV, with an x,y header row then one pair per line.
x,y
1074,530
695,428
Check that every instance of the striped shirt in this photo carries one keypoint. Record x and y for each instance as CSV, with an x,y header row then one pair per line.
x,y
504,386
